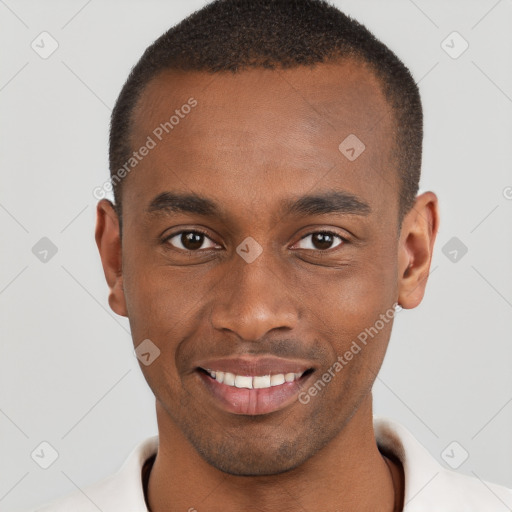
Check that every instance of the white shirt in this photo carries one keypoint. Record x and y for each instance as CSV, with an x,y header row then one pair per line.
x,y
429,487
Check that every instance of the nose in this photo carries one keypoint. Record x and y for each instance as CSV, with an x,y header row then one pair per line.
x,y
253,299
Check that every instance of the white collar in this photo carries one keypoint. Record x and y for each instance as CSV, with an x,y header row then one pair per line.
x,y
429,485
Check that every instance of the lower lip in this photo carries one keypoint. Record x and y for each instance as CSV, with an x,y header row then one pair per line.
x,y
254,401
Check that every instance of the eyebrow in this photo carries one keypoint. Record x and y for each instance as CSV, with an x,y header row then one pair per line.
x,y
328,202
171,202
314,204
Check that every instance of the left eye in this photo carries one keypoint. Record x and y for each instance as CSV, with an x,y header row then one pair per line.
x,y
190,241
322,240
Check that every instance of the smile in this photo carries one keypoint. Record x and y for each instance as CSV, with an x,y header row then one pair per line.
x,y
253,394
256,382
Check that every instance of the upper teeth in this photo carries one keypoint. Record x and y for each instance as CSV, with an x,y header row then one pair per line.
x,y
260,382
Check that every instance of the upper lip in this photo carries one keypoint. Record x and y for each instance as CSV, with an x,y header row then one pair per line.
x,y
255,366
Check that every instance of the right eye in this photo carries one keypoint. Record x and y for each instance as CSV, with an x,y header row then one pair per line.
x,y
191,240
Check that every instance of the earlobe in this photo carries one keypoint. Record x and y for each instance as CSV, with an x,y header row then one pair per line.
x,y
417,237
108,240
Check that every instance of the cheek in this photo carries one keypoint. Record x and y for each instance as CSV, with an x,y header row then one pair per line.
x,y
160,299
345,311
165,305
159,310
351,298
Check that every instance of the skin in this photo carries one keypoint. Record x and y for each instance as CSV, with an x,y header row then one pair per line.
x,y
255,139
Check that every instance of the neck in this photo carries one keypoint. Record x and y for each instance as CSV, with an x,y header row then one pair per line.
x,y
348,474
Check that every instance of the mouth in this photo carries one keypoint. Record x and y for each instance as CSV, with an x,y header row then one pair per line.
x,y
253,394
254,382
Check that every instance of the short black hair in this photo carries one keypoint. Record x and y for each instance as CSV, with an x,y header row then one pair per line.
x,y
233,35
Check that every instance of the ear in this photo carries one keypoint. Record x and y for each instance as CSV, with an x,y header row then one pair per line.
x,y
417,237
108,240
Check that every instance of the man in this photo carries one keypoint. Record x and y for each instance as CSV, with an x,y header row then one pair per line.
x,y
265,157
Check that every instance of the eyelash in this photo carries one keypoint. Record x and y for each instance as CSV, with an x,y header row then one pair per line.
x,y
165,241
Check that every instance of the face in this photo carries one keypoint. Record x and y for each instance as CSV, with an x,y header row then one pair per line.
x,y
253,246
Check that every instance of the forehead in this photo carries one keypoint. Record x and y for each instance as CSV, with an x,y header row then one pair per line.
x,y
342,94
262,127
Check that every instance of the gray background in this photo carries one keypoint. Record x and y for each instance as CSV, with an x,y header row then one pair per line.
x,y
68,375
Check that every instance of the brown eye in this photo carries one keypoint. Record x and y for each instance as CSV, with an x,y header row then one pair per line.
x,y
321,241
190,241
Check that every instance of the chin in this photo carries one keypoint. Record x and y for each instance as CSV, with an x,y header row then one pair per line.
x,y
251,460
259,467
